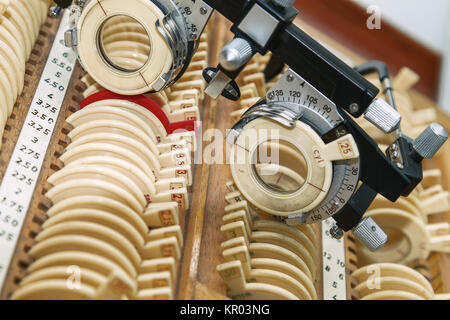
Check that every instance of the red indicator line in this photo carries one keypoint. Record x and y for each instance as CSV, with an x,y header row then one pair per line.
x,y
316,187
146,83
243,148
279,178
103,9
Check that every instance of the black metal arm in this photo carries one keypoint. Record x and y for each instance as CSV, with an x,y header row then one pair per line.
x,y
326,72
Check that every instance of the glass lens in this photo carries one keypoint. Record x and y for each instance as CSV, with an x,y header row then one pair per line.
x,y
280,166
124,43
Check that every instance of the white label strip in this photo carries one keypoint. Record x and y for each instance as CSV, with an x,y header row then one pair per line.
x,y
19,182
333,253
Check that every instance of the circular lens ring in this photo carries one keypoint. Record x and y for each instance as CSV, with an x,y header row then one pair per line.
x,y
128,83
124,47
304,139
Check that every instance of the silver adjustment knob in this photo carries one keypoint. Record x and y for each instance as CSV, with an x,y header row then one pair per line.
x,y
382,115
235,54
369,233
430,140
284,3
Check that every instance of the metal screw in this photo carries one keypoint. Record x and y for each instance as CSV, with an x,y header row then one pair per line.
x,y
395,151
374,229
354,108
290,78
203,10
55,11
336,232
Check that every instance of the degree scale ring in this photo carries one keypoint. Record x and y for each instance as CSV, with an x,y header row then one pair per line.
x,y
336,182
318,157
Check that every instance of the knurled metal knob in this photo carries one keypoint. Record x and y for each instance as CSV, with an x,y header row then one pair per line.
x,y
284,3
382,115
235,54
369,233
430,140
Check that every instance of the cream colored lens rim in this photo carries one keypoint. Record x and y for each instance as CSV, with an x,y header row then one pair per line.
x,y
93,186
232,273
75,172
104,149
393,283
100,203
95,231
53,289
67,243
412,232
242,254
266,231
100,217
391,270
90,277
244,206
147,14
393,295
259,194
146,184
318,158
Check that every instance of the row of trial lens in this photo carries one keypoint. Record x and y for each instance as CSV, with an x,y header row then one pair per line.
x,y
20,22
115,208
118,200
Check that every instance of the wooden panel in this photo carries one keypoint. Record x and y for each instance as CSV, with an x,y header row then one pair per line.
x,y
202,254
345,21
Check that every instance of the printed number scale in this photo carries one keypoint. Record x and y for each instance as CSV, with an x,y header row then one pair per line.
x,y
21,176
334,268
